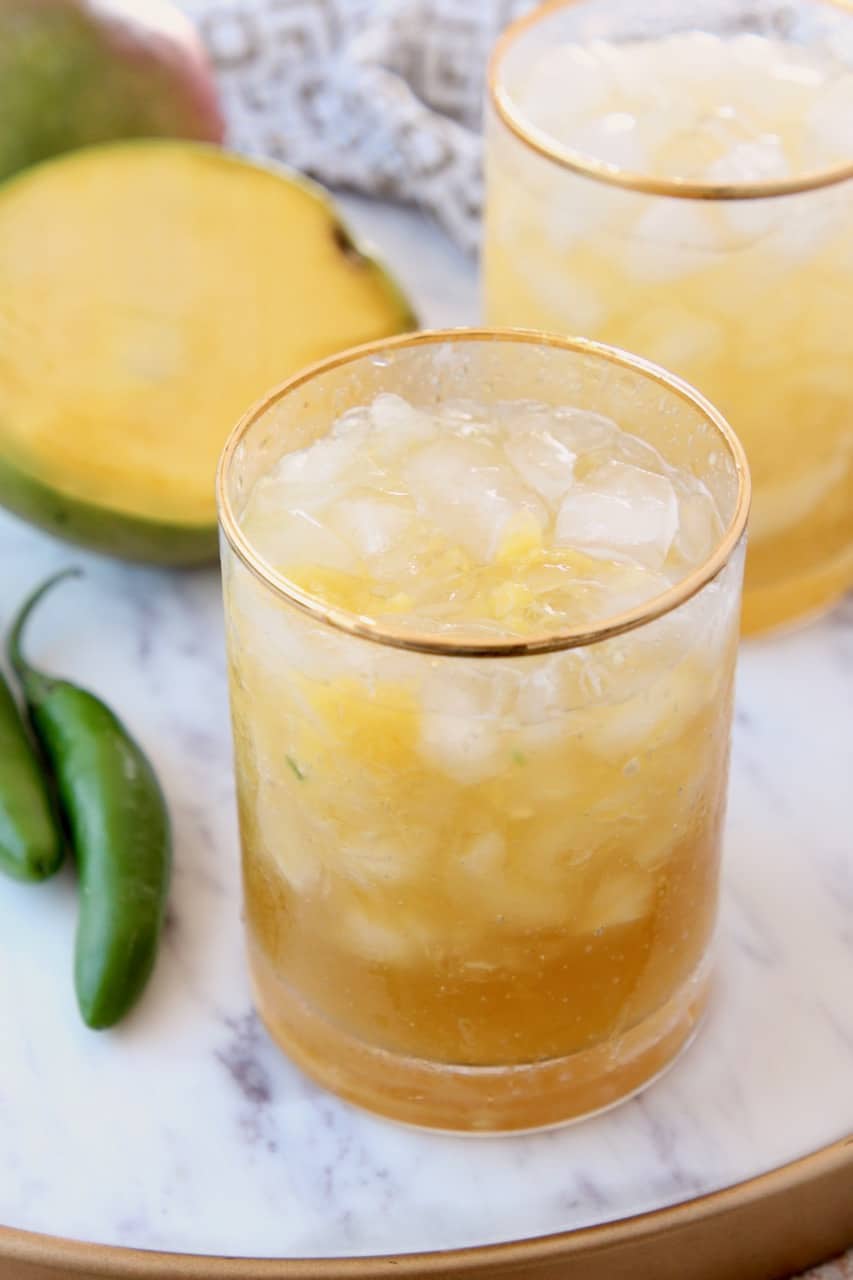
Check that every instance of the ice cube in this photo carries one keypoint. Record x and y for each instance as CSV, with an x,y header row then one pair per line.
x,y
541,693
378,932
699,528
642,71
798,69
684,146
753,51
651,848
625,589
566,81
397,425
390,412
622,896
634,451
474,689
758,160
544,737
373,860
308,480
674,237
573,304
570,213
654,843
353,425
689,56
613,139
788,83
542,461
287,539
540,894
464,719
468,492
288,835
809,222
322,462
620,512
483,858
491,887
370,523
656,715
581,430
469,751
675,337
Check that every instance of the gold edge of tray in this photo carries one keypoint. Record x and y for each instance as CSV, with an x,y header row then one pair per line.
x,y
767,1227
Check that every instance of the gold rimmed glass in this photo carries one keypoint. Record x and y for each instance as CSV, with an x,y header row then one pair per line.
x,y
743,287
481,873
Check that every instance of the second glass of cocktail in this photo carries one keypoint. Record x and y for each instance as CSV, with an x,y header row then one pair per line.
x,y
482,594
677,179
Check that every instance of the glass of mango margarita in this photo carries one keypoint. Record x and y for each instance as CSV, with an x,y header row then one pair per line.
x,y
677,178
482,592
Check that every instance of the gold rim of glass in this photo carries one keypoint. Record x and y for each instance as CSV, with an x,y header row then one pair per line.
x,y
426,641
578,162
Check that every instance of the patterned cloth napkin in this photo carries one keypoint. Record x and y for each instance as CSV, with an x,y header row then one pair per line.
x,y
380,96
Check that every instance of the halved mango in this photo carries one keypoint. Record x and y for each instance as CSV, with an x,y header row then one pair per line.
x,y
149,293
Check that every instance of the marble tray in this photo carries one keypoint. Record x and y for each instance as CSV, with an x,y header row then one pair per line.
x,y
186,1131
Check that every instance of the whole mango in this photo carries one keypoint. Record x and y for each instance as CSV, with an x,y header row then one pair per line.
x,y
75,72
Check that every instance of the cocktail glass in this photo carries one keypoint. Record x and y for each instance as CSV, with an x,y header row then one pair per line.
x,y
481,871
743,283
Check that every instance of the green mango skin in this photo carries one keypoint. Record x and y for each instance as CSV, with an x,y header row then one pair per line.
x,y
72,74
113,533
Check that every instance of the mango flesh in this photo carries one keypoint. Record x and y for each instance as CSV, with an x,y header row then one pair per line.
x,y
149,293
73,72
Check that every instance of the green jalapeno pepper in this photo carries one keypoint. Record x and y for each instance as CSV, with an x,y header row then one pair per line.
x,y
118,827
31,845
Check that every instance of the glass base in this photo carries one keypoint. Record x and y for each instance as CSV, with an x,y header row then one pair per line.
x,y
797,600
442,1095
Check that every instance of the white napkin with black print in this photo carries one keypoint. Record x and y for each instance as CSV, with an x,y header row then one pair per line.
x,y
379,96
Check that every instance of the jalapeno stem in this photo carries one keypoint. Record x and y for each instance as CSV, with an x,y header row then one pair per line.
x,y
35,684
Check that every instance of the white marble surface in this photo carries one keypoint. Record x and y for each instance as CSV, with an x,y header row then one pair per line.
x,y
187,1130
